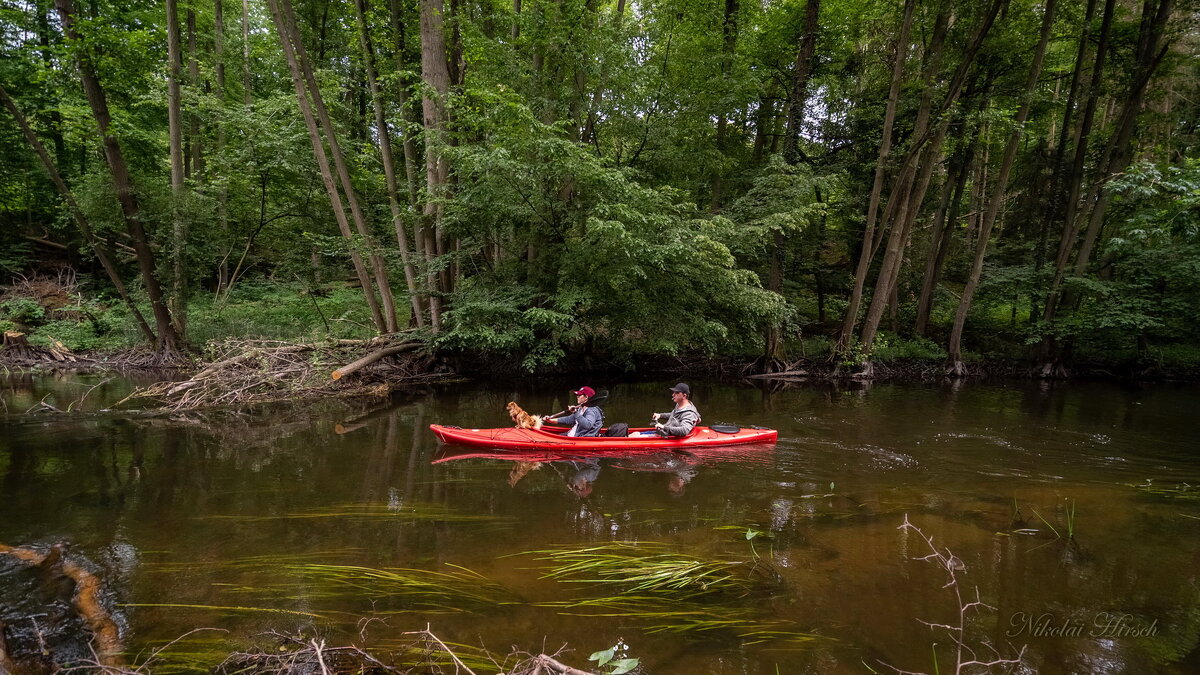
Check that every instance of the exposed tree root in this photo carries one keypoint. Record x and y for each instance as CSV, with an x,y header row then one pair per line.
x,y
106,637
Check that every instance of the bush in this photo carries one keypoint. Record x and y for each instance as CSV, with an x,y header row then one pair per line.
x,y
22,311
890,348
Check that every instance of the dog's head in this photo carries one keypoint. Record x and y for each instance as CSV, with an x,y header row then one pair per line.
x,y
514,411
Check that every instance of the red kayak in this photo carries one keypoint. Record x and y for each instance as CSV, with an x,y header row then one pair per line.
x,y
511,438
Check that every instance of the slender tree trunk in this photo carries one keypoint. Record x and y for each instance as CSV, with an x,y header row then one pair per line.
x,y
774,357
55,125
1064,137
764,119
247,82
407,115
956,185
195,139
1075,177
314,135
222,183
954,349
342,172
589,131
909,192
729,31
436,75
168,341
175,134
885,147
389,166
801,72
77,214
914,193
1116,156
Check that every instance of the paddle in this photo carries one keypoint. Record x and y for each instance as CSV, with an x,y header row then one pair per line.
x,y
599,399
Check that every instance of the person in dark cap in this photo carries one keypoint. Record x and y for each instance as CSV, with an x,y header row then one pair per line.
x,y
585,420
680,421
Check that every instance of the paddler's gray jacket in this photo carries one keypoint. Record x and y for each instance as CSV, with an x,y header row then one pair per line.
x,y
680,421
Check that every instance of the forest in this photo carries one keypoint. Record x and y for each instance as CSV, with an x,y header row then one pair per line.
x,y
561,182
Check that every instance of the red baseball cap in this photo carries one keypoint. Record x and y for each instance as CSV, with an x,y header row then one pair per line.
x,y
586,391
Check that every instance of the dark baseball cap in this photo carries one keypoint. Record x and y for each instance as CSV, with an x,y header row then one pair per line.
x,y
682,388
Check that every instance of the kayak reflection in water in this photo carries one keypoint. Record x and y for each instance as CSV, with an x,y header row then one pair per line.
x,y
679,467
586,473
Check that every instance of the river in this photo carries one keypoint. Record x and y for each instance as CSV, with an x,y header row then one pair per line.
x,y
1068,509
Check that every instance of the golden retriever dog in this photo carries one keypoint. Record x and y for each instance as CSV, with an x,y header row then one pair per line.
x,y
522,419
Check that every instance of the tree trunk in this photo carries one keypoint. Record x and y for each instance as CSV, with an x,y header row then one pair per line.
x,y
909,192
436,74
956,184
954,348
314,136
729,31
195,139
801,72
222,183
885,147
168,341
1055,201
407,116
77,214
389,166
589,131
247,82
914,193
175,135
56,121
1075,177
343,173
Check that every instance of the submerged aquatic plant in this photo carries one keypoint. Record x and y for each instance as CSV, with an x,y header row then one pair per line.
x,y
460,590
668,591
650,567
410,511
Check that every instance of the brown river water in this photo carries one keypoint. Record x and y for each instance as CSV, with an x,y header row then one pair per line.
x,y
1071,512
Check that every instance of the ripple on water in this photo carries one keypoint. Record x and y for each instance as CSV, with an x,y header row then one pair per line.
x,y
882,458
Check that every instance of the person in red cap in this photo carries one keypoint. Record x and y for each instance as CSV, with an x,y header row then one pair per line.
x,y
585,420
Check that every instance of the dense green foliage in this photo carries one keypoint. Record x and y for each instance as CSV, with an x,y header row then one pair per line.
x,y
618,178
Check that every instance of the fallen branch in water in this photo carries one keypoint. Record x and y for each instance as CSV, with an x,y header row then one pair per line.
x,y
373,357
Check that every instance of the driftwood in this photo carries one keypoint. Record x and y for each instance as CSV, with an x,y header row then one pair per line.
x,y
784,375
373,357
88,590
543,664
6,663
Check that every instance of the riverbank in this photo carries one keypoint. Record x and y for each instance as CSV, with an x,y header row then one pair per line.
x,y
272,341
